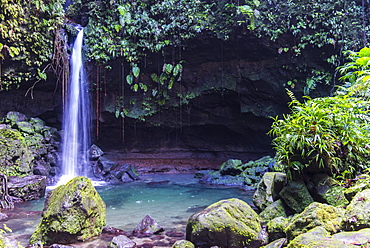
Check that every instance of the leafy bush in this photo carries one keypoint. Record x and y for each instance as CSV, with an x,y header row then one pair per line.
x,y
331,133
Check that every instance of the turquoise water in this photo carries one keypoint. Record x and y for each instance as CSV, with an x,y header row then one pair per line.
x,y
169,199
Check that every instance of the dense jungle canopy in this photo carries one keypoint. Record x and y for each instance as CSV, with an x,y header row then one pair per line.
x,y
183,63
32,33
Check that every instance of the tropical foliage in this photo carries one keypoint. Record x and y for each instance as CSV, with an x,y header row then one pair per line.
x,y
28,30
331,133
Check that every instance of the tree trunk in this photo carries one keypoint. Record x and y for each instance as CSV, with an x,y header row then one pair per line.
x,y
5,199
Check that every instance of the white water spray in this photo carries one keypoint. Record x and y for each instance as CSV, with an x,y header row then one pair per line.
x,y
76,119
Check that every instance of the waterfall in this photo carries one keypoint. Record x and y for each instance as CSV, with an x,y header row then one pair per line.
x,y
76,118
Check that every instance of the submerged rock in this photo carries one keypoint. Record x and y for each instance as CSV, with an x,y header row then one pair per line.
x,y
121,241
147,226
227,223
72,212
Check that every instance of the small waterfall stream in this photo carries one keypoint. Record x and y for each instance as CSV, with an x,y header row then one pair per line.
x,y
76,119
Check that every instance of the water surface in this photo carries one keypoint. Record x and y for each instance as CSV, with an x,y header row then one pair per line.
x,y
169,199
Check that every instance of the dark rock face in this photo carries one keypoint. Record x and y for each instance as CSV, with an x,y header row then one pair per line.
x,y
27,188
236,85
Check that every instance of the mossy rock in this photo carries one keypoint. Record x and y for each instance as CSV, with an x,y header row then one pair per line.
x,y
315,238
358,211
268,189
276,243
316,214
231,167
327,190
276,227
15,156
362,182
183,244
360,238
227,223
72,212
274,210
296,196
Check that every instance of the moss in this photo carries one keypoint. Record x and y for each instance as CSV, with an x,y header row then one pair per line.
x,y
316,214
75,210
15,156
225,222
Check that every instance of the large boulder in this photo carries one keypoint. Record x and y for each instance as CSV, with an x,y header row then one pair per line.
x,y
274,210
327,190
27,188
276,228
317,237
296,196
227,223
316,214
15,155
358,211
72,212
268,189
359,238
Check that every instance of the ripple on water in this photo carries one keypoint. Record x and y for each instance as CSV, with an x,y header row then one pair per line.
x,y
169,199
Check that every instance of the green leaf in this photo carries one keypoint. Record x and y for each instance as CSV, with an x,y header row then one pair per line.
x,y
155,77
364,52
177,69
135,71
136,87
167,68
129,79
41,74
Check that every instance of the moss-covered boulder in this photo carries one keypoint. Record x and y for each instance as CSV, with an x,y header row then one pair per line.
x,y
315,238
15,156
276,228
183,244
231,167
296,196
274,210
359,238
358,211
227,223
72,212
327,190
316,214
268,189
27,146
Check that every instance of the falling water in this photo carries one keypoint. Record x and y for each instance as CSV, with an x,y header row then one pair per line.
x,y
76,120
